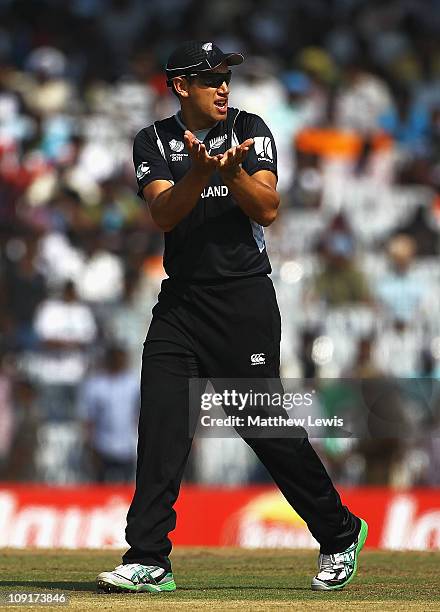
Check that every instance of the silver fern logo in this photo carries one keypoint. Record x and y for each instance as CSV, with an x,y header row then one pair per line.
x,y
176,145
216,143
207,47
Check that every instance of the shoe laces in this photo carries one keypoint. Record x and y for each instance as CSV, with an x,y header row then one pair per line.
x,y
337,561
138,572
137,566
330,563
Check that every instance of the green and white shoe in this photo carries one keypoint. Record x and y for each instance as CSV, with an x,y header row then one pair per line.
x,y
136,578
339,569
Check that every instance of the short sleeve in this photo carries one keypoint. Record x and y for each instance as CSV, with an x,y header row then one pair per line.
x,y
149,164
263,154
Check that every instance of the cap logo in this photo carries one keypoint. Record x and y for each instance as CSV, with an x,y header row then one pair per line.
x,y
207,47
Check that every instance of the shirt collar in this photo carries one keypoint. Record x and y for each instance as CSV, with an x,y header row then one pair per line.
x,y
200,134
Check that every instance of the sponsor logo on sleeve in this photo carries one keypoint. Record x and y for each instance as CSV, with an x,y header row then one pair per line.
x,y
263,148
142,170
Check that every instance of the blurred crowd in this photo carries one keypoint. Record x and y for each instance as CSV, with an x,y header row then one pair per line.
x,y
351,92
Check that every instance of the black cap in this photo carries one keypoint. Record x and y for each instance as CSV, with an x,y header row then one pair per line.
x,y
196,56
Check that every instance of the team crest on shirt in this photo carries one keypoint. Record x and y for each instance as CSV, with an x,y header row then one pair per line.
x,y
176,145
216,143
207,47
263,148
142,170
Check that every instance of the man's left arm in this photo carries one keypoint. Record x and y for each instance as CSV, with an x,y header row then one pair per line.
x,y
250,170
256,195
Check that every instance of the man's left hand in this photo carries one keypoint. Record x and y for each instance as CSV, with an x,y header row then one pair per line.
x,y
229,165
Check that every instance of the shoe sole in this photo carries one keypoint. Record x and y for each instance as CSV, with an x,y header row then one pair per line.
x,y
106,585
321,586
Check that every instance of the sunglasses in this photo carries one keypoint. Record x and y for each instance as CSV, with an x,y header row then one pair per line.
x,y
212,79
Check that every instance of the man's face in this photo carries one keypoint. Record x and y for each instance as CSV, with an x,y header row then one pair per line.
x,y
208,100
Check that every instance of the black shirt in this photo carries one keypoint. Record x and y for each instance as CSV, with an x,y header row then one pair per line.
x,y
216,239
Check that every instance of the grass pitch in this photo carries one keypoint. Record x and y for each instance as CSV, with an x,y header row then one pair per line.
x,y
230,579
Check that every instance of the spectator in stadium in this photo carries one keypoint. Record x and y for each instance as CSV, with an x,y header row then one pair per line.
x,y
127,319
25,289
65,322
66,328
399,291
121,25
45,89
402,339
423,228
388,427
408,122
27,417
6,420
362,100
340,281
108,406
101,277
365,365
302,104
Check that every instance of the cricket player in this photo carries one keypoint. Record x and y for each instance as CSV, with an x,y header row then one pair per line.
x,y
209,176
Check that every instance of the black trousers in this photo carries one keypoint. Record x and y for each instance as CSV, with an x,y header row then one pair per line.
x,y
211,331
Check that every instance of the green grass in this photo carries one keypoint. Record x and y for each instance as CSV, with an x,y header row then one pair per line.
x,y
229,579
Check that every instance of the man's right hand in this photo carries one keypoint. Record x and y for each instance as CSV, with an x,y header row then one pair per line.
x,y
203,163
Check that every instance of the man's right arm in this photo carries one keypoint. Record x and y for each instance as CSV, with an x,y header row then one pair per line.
x,y
169,204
